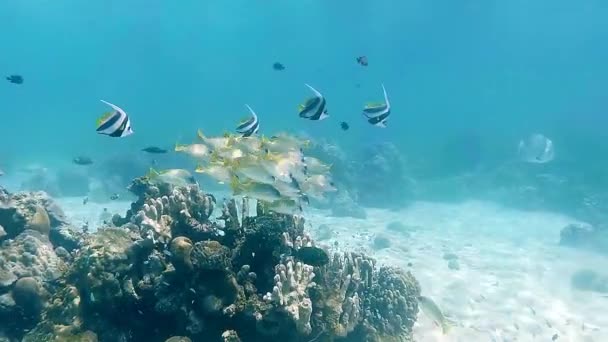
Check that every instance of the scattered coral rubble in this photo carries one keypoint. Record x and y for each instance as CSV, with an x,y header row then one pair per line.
x,y
168,271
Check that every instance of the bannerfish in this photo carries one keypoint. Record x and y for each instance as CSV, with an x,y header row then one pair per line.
x,y
175,177
278,66
315,107
154,149
377,113
432,311
344,126
82,160
249,127
362,60
15,79
115,123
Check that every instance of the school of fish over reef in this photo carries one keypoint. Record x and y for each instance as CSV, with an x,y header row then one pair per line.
x,y
180,265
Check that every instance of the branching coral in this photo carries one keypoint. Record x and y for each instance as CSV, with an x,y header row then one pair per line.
x,y
290,293
185,211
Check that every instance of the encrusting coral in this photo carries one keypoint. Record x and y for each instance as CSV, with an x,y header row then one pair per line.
x,y
178,274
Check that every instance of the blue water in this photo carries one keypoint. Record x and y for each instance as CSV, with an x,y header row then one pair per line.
x,y
500,69
494,70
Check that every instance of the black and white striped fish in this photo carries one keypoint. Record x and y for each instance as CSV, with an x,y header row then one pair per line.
x,y
377,114
315,107
249,127
115,123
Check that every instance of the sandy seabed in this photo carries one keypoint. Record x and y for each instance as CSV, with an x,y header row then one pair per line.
x,y
513,280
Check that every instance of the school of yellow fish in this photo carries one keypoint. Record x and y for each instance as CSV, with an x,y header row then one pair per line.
x,y
270,169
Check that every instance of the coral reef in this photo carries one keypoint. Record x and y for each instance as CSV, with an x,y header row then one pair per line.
x,y
178,274
383,181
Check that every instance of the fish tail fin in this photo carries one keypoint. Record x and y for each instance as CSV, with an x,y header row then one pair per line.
x,y
235,185
179,147
200,135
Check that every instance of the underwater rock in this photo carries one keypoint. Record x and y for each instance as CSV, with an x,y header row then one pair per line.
x,y
39,221
585,236
381,242
589,280
450,256
389,187
343,205
28,255
67,237
28,294
28,269
181,249
23,210
210,255
453,264
2,232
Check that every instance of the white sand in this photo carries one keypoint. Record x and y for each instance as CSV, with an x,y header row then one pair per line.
x,y
513,283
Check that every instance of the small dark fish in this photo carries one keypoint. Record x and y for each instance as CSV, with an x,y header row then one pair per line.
x,y
313,256
362,60
154,149
278,66
85,200
15,79
82,160
344,126
554,337
114,197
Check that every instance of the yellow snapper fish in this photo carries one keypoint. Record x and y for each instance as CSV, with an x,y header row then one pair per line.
x,y
194,150
228,153
260,191
432,311
250,168
285,206
314,165
175,177
316,185
217,171
281,167
282,143
251,145
289,189
216,142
